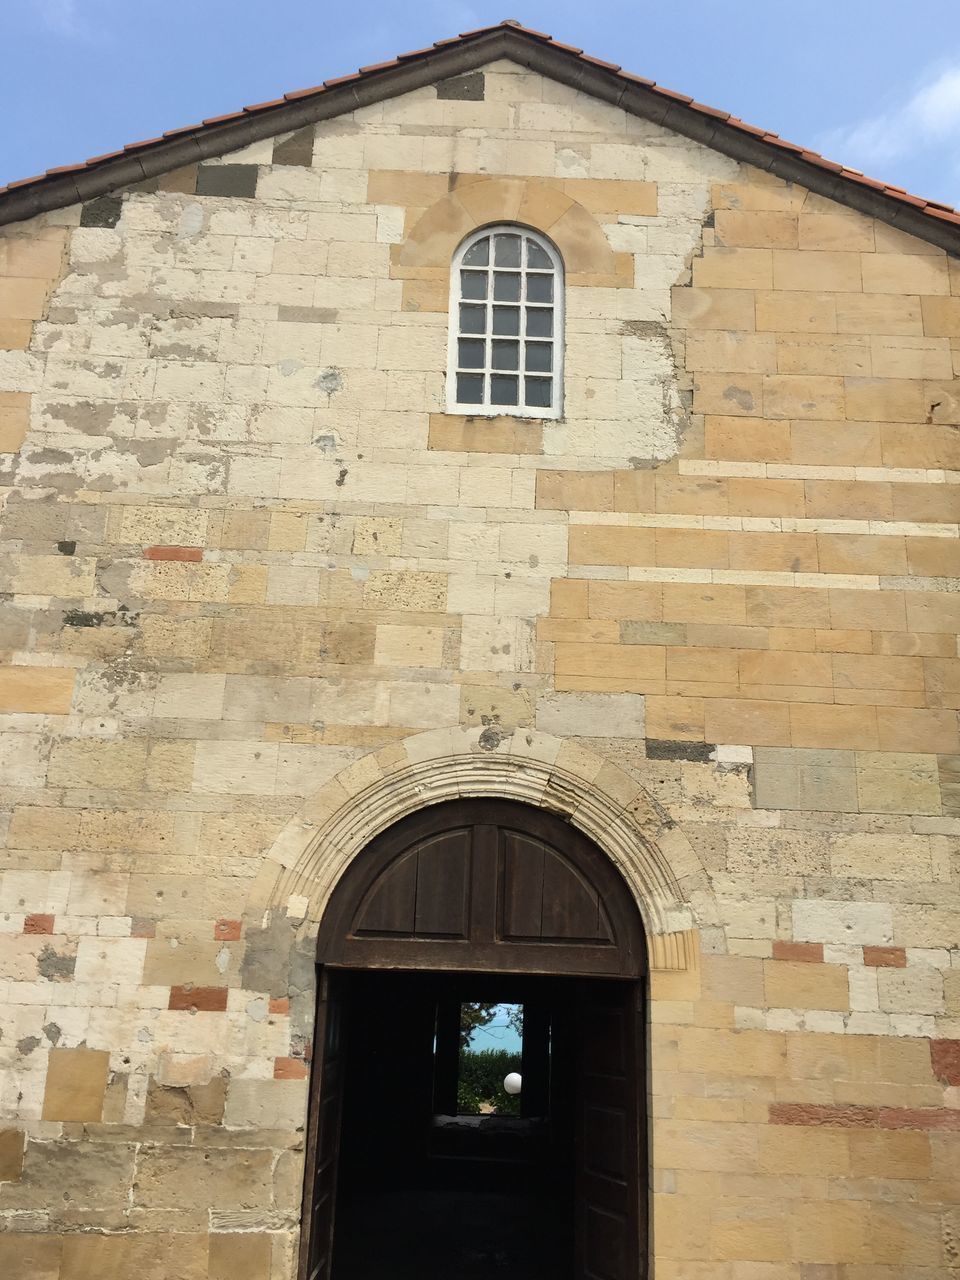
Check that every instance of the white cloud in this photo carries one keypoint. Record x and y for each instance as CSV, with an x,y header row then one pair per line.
x,y
925,120
60,16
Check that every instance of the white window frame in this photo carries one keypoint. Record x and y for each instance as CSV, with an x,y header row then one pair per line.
x,y
487,409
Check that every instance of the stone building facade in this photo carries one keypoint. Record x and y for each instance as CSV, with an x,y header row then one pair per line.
x,y
264,596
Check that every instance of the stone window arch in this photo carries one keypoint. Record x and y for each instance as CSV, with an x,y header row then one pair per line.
x,y
505,352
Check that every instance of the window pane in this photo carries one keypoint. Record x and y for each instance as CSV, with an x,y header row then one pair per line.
x,y
470,388
539,323
506,355
506,321
472,319
471,354
540,288
506,286
537,257
478,255
507,251
539,357
503,390
473,284
538,392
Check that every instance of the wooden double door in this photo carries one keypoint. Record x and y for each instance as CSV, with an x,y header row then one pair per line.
x,y
494,902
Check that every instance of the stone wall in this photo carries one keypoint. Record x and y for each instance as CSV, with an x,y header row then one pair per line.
x,y
261,585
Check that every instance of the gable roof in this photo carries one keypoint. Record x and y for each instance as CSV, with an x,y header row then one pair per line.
x,y
70,184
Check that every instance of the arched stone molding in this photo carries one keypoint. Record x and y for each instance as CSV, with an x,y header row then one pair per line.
x,y
657,862
476,201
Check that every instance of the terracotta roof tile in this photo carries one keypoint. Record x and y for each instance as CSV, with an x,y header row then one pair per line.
x,y
932,209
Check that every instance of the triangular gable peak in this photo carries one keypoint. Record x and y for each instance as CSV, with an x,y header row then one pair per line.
x,y
57,188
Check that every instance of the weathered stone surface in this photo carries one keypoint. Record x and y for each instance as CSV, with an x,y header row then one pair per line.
x,y
65,1177
264,593
180,1178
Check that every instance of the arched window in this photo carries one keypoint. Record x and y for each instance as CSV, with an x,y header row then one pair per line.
x,y
506,325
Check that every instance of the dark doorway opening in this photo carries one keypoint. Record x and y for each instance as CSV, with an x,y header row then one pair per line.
x,y
418,1170
426,1193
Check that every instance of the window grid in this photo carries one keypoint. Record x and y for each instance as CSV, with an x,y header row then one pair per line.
x,y
505,333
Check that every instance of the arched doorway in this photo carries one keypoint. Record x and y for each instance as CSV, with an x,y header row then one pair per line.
x,y
465,904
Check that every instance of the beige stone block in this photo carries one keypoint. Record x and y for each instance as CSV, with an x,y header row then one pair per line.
x,y
796,312
36,827
401,187
422,592
458,434
266,1104
23,298
158,526
848,355
242,1256
816,271
916,989
15,335
11,1154
911,357
879,313
791,1151
711,1051
75,1085
880,857
731,352
190,697
917,730
721,1148
181,1178
14,418
826,1231
402,646
66,576
36,690
24,1256
149,1256
176,956
288,531
941,317
755,229
900,1155
755,1240
801,985
377,536
91,763
798,396
243,767
905,273
891,782
614,195
747,439
729,394
730,309
759,190
842,229
39,255
733,979
721,268
884,399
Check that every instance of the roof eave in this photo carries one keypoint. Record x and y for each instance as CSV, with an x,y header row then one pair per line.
x,y
451,59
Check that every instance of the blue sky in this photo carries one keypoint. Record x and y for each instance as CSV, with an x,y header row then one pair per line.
x,y
872,83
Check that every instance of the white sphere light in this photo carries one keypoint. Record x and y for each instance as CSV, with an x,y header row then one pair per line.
x,y
513,1083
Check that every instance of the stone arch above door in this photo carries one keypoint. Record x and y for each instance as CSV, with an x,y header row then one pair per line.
x,y
661,870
